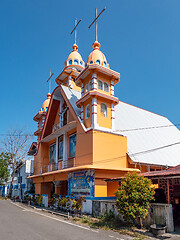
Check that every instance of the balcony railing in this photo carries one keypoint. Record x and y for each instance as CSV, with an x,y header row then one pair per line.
x,y
58,166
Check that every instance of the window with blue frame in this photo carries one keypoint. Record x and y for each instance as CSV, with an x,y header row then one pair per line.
x,y
98,62
60,147
72,145
81,63
91,62
52,153
70,61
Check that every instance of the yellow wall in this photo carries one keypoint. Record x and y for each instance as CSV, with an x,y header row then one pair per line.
x,y
101,120
88,121
100,188
104,79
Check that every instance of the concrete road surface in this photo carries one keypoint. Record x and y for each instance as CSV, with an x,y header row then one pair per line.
x,y
22,223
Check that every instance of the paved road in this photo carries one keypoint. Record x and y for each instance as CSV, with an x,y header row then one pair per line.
x,y
22,223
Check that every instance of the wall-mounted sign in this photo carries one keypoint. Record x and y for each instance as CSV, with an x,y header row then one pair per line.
x,y
81,183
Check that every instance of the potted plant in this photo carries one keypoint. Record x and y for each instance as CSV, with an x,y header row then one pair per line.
x,y
39,200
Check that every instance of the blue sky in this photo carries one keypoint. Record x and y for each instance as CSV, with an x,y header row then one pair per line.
x,y
140,39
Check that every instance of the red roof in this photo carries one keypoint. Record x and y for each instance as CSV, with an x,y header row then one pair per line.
x,y
169,172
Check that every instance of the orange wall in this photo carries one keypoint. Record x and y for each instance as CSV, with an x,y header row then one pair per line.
x,y
112,187
109,150
84,147
57,118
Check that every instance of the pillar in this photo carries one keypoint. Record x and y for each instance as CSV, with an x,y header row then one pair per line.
x,y
94,81
112,88
113,116
94,112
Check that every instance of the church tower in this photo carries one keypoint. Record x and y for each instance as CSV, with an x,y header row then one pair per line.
x,y
41,115
97,91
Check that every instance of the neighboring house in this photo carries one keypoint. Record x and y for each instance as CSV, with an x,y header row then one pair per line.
x,y
21,184
86,135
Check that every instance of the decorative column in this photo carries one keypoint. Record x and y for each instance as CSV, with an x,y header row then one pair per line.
x,y
82,90
82,113
70,82
65,150
112,88
113,116
94,81
94,112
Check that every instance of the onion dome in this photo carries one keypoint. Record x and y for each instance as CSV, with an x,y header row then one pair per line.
x,y
96,56
46,103
74,58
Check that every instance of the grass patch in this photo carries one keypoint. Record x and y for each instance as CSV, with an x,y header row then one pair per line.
x,y
110,222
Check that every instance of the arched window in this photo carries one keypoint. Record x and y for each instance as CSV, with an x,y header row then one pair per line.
x,y
91,62
86,89
89,86
105,64
100,84
104,109
76,62
87,111
98,62
46,109
70,61
81,63
106,87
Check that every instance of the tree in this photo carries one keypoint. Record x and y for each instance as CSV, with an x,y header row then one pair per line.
x,y
5,159
16,143
134,196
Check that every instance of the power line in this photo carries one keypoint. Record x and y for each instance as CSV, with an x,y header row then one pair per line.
x,y
120,130
122,156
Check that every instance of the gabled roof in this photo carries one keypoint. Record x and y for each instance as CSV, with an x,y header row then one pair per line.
x,y
73,96
151,138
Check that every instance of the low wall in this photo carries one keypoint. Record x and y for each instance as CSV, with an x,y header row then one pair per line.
x,y
159,213
162,214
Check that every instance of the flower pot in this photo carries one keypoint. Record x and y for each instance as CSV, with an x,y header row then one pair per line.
x,y
158,230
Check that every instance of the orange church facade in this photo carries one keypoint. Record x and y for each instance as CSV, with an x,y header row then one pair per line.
x,y
78,145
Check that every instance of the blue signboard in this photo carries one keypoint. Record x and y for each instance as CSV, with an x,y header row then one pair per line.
x,y
81,183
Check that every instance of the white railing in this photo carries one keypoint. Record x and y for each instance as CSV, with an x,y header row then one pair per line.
x,y
58,166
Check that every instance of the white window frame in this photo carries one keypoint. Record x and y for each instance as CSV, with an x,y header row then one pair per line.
x,y
107,87
89,86
86,112
86,89
99,81
104,112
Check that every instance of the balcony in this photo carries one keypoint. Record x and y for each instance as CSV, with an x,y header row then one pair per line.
x,y
58,166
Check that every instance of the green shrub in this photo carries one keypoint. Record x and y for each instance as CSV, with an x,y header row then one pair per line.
x,y
134,197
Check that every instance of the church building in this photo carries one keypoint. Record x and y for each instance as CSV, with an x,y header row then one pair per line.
x,y
86,135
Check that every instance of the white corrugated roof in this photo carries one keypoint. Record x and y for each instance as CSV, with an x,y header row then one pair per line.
x,y
73,96
152,142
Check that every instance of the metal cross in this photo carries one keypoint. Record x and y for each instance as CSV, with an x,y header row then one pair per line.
x,y
95,21
74,29
49,80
